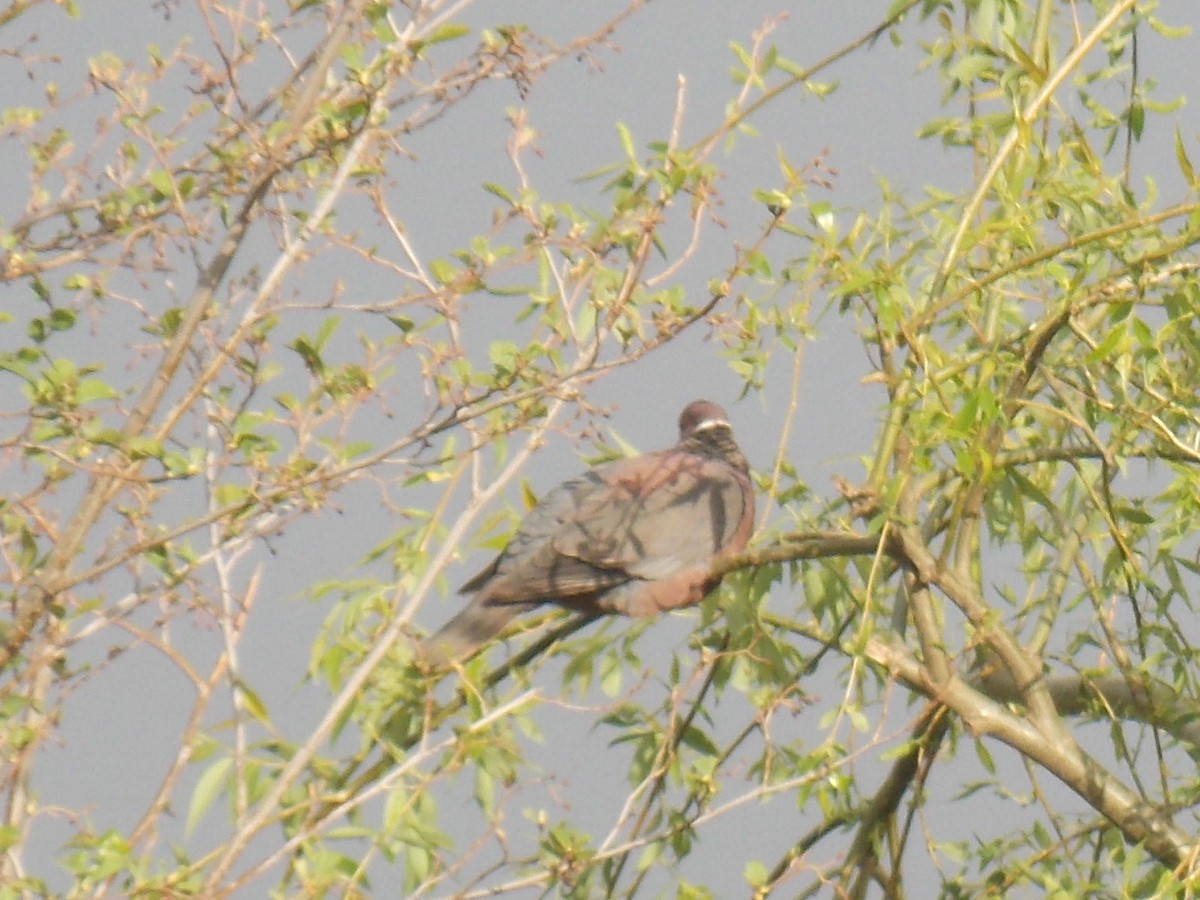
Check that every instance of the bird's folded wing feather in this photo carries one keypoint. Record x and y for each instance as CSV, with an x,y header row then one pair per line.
x,y
530,568
658,515
644,518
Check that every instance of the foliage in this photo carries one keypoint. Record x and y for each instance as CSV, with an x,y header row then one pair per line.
x,y
220,329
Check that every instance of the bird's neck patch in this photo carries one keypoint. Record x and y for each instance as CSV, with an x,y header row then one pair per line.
x,y
707,424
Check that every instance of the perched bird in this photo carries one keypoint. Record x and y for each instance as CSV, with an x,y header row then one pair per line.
x,y
632,536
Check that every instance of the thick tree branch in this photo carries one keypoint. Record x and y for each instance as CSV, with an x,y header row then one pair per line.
x,y
1138,821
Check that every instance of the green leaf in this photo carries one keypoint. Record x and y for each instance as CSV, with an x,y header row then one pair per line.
x,y
1137,119
649,856
328,327
161,181
210,785
970,67
498,191
485,790
743,56
1185,163
169,321
985,757
443,270
528,495
451,31
142,447
253,703
699,741
231,494
92,389
755,873
504,355
404,323
611,672
627,145
62,319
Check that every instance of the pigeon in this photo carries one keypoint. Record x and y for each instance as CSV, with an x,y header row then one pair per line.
x,y
633,536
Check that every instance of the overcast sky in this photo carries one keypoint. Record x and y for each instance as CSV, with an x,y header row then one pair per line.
x,y
119,730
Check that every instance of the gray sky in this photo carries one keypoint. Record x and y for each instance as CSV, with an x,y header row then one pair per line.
x,y
120,728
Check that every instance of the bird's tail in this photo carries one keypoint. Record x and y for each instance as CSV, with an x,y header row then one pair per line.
x,y
461,637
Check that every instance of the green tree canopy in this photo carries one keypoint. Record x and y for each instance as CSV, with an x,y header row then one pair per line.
x,y
967,666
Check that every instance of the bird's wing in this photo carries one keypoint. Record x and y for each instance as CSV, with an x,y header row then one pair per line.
x,y
644,518
530,568
660,514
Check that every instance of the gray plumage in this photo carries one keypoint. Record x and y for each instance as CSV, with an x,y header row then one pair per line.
x,y
632,536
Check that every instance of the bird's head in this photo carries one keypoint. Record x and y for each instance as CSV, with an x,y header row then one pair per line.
x,y
701,415
703,428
